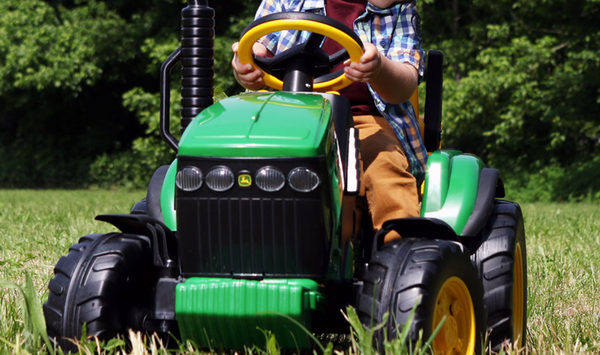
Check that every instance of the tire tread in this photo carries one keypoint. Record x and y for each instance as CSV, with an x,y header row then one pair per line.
x,y
495,260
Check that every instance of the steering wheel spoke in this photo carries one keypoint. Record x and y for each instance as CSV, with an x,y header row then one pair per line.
x,y
263,63
338,58
313,43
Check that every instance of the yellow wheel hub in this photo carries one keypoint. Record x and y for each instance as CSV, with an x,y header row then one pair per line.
x,y
457,334
518,298
246,42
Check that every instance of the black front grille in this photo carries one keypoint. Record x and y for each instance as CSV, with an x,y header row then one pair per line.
x,y
260,237
246,232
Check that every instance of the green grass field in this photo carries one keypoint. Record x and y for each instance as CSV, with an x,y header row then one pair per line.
x,y
38,226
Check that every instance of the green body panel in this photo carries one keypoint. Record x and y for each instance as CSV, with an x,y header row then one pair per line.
x,y
167,197
451,185
277,124
231,312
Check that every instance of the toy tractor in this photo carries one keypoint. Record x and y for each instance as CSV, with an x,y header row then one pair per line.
x,y
255,226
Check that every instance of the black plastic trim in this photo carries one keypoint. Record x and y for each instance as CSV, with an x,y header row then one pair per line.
x,y
164,241
165,99
490,188
421,227
140,207
415,227
433,100
153,195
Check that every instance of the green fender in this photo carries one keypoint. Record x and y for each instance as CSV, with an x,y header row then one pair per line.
x,y
451,185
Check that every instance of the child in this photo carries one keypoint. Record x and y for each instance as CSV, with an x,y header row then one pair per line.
x,y
388,73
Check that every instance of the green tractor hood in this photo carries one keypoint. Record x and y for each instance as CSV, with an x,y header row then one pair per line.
x,y
273,124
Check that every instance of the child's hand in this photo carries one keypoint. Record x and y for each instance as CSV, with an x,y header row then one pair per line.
x,y
394,81
369,66
247,77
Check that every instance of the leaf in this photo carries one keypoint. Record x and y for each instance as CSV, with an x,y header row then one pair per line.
x,y
35,322
9,284
329,349
427,345
115,343
219,95
272,348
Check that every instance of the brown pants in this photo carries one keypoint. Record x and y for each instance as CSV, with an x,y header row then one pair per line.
x,y
390,188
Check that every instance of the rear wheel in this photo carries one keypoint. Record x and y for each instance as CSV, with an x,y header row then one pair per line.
x,y
436,276
502,261
105,282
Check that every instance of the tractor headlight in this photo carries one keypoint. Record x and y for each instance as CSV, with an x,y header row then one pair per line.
x,y
303,179
189,178
269,179
220,179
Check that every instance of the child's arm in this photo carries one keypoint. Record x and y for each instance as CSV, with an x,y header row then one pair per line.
x,y
394,81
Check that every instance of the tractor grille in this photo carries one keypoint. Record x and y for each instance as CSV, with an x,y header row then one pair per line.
x,y
253,237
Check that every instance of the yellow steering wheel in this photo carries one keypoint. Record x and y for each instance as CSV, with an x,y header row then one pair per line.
x,y
305,66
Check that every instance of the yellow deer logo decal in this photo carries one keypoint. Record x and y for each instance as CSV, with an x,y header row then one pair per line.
x,y
244,180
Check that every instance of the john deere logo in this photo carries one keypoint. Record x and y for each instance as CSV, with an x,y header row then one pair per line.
x,y
244,180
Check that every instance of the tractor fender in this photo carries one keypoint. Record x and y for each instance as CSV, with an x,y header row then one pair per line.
x,y
451,187
460,191
415,227
490,187
164,241
420,227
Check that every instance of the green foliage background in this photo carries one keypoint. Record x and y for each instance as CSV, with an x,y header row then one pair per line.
x,y
79,88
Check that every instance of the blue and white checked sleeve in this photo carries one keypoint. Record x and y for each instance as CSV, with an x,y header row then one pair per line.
x,y
406,42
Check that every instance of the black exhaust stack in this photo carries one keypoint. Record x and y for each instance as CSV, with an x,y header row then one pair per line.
x,y
197,59
197,52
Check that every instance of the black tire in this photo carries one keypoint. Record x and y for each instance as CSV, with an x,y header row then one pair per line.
x,y
104,282
407,270
504,275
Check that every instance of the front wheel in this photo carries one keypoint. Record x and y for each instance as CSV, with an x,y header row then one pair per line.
x,y
104,283
438,277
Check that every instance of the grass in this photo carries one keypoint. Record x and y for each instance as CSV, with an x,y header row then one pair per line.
x,y
563,272
37,227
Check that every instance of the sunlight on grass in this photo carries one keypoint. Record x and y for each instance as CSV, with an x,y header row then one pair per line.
x,y
37,228
563,261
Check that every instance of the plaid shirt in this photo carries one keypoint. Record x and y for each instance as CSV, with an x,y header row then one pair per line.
x,y
396,33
